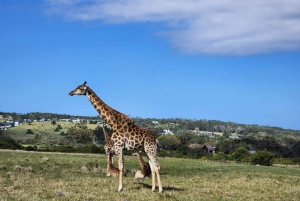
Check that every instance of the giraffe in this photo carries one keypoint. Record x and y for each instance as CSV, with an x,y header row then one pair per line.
x,y
126,135
145,168
111,169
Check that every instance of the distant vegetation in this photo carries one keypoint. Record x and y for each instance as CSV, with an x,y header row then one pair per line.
x,y
182,138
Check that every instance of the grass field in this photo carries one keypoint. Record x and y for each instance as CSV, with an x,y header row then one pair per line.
x,y
19,132
56,176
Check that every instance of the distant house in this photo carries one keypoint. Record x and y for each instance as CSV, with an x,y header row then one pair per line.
x,y
5,125
42,119
166,131
75,120
17,122
2,126
1,116
209,149
155,122
209,134
233,137
27,120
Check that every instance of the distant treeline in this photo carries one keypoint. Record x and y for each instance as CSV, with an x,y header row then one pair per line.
x,y
39,115
178,125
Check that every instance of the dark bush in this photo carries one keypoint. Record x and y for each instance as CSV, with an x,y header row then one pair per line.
x,y
29,131
263,158
9,143
96,149
63,133
30,148
241,155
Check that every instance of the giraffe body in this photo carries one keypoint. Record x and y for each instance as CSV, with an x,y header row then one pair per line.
x,y
112,170
126,135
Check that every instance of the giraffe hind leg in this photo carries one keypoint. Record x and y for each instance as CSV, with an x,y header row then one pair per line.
x,y
155,167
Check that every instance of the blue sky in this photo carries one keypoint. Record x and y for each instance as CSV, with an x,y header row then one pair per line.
x,y
229,61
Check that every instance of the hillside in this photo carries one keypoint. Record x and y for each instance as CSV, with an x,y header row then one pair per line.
x,y
178,137
45,129
176,125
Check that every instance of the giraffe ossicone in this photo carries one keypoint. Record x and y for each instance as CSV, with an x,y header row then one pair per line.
x,y
126,135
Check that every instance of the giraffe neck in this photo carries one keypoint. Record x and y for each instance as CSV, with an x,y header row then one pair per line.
x,y
106,136
108,114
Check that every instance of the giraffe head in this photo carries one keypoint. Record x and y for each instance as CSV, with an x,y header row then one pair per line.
x,y
80,90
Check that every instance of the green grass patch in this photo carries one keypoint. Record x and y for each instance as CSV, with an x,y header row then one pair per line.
x,y
44,129
62,176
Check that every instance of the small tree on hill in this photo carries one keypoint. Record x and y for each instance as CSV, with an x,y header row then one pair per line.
x,y
81,132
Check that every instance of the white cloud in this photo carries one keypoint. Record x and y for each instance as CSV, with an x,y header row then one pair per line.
x,y
227,27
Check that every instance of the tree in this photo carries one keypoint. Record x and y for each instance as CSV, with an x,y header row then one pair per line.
x,y
263,158
99,135
241,154
169,141
81,133
185,137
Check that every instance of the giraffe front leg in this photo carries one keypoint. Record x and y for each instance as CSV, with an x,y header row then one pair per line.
x,y
121,167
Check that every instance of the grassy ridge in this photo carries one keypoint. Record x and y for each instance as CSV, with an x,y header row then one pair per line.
x,y
54,176
19,132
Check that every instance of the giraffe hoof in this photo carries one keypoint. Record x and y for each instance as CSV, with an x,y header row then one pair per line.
x,y
120,189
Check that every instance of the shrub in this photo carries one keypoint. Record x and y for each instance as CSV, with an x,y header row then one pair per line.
x,y
63,133
29,131
96,149
219,156
30,148
296,159
9,143
241,155
263,158
285,161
